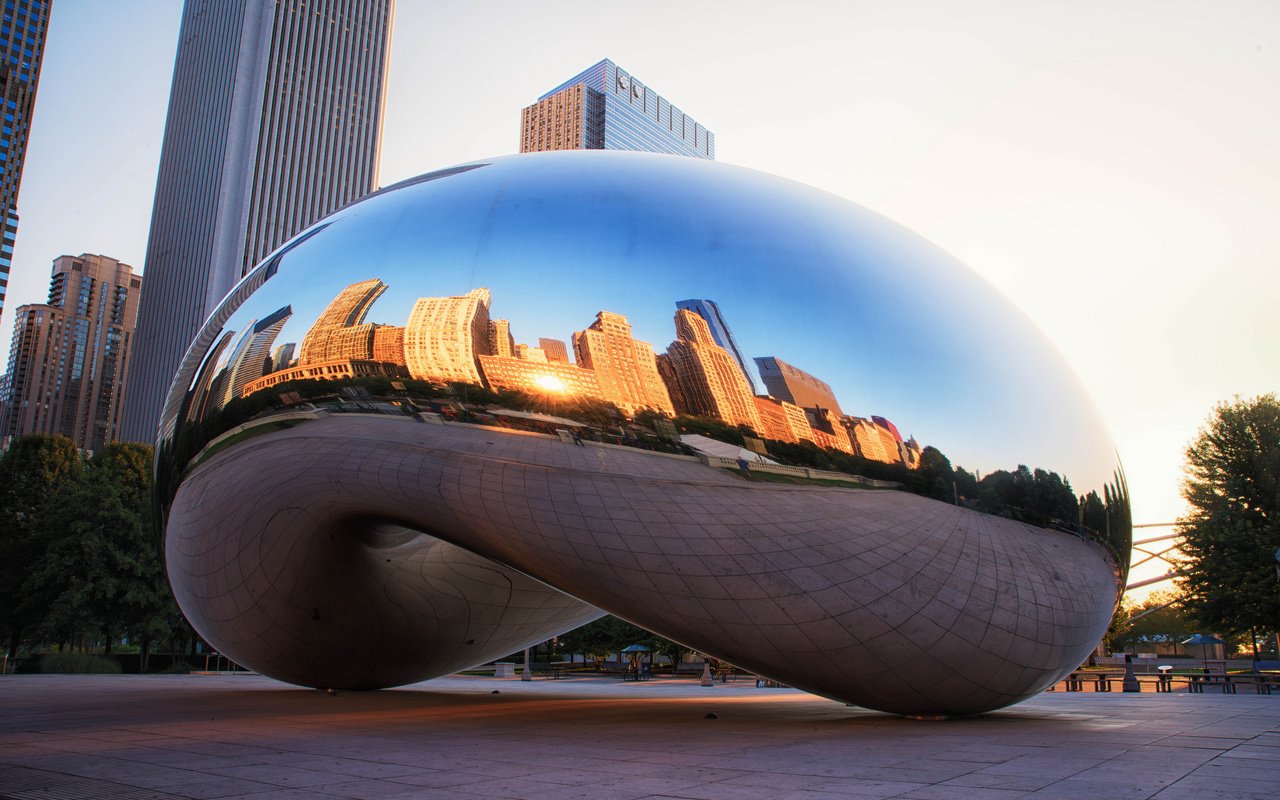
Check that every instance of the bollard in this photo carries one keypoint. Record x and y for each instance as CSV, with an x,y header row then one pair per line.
x,y
1130,679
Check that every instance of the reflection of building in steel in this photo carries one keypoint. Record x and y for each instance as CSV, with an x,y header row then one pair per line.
x,y
710,380
672,382
828,429
870,440
68,357
910,453
604,108
501,342
251,358
445,335
527,353
626,369
710,311
794,385
340,331
555,349
890,440
388,344
783,421
282,356
209,381
327,371
888,426
540,377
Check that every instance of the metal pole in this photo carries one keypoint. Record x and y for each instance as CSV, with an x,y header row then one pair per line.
x,y
527,675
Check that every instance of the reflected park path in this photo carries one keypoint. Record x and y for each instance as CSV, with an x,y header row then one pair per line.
x,y
160,737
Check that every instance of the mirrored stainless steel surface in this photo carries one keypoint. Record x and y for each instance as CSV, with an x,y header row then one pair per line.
x,y
486,405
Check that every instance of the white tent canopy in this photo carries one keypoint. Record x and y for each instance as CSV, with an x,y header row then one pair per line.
x,y
713,447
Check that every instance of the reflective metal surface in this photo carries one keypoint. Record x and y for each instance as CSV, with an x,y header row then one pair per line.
x,y
476,409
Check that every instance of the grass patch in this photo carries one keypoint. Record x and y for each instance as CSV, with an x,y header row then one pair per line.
x,y
78,664
256,430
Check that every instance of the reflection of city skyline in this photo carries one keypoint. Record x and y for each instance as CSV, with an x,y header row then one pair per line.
x,y
454,338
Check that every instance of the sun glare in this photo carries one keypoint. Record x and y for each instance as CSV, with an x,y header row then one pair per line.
x,y
549,383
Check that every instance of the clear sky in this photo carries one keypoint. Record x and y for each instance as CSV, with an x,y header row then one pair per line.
x,y
1112,168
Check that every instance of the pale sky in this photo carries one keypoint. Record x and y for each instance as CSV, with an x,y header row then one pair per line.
x,y
1111,167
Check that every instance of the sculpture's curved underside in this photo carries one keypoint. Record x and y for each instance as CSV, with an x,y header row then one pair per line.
x,y
377,548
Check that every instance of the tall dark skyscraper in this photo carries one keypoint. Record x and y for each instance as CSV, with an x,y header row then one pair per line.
x,y
275,118
605,108
22,33
709,311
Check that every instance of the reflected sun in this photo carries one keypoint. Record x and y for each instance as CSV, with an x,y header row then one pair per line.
x,y
549,383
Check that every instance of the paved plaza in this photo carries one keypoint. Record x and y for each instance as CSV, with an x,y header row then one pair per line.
x,y
162,737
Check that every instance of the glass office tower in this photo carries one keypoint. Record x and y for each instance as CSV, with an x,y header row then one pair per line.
x,y
22,33
606,108
274,122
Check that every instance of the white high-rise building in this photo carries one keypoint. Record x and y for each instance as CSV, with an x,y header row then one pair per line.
x,y
275,118
446,335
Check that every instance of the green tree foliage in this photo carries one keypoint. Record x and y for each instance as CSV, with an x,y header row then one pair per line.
x,y
935,476
598,639
80,552
1038,497
1232,532
1158,618
101,574
32,471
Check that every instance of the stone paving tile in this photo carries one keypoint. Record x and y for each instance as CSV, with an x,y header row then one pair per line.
x,y
963,793
249,737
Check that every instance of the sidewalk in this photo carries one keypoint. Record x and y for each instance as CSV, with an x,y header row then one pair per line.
x,y
161,737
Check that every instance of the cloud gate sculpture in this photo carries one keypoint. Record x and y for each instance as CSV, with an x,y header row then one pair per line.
x,y
487,405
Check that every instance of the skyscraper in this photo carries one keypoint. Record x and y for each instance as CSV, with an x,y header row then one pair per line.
x,y
709,311
22,36
605,108
794,385
252,357
446,335
68,358
710,380
274,121
340,331
626,369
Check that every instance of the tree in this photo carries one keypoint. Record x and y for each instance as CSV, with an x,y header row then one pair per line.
x,y
101,575
1232,533
31,472
936,475
1160,617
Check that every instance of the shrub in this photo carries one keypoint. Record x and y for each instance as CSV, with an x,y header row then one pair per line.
x,y
79,663
176,668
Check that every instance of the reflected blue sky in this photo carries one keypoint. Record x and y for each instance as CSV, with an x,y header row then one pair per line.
x,y
897,327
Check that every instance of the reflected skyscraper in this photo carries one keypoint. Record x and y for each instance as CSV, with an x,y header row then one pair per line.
x,y
21,52
340,332
274,121
251,359
711,381
709,311
555,349
794,385
68,358
626,369
605,108
783,421
445,335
